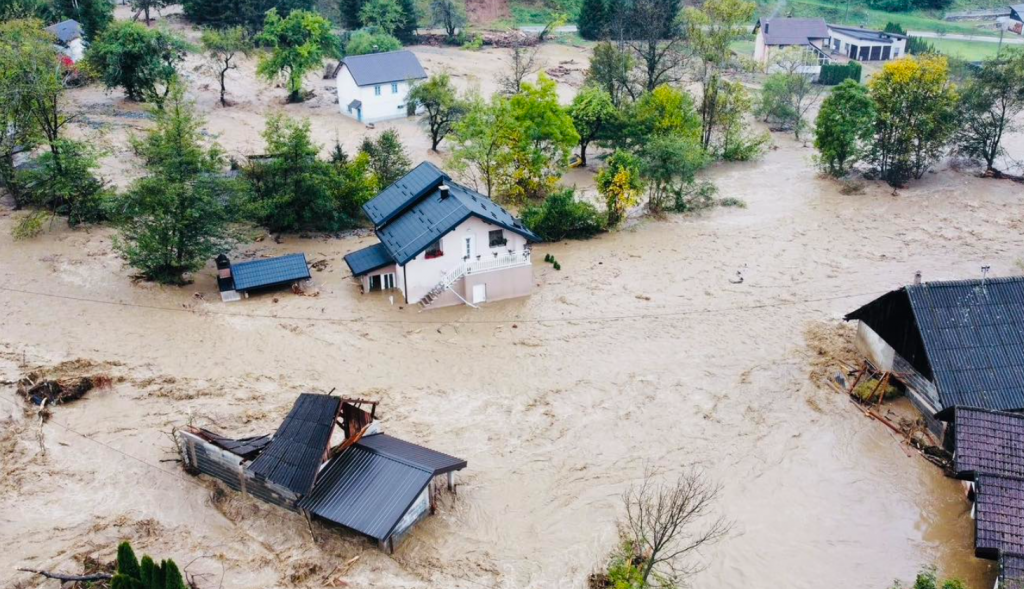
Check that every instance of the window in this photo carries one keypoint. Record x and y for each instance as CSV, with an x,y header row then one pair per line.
x,y
376,90
497,238
434,250
394,87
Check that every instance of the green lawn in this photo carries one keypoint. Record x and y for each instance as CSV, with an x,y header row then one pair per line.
x,y
858,14
966,50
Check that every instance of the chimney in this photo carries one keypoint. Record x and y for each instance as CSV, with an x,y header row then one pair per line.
x,y
445,191
224,280
917,278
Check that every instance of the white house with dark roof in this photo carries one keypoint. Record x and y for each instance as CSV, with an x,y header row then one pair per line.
x,y
69,39
774,34
375,87
866,45
442,244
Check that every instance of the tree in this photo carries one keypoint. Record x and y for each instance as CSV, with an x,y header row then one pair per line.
x,y
449,15
222,46
543,140
442,105
592,114
94,15
130,575
351,16
480,142
668,164
916,108
247,13
145,6
610,69
138,59
731,139
561,216
844,127
298,43
989,104
388,160
710,30
619,183
928,579
174,220
593,20
363,42
522,63
657,41
65,182
406,30
382,15
665,111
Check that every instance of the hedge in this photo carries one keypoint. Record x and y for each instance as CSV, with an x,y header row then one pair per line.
x,y
832,74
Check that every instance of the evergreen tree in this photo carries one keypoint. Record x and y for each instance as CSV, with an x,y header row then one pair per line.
x,y
406,29
127,563
350,13
388,159
593,20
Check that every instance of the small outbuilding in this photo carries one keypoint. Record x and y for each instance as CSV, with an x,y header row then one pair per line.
x,y
69,42
375,87
235,280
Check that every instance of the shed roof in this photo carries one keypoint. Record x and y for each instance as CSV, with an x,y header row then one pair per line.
x,y
380,68
371,485
987,442
965,335
294,456
792,31
403,192
867,34
270,272
368,259
66,31
999,516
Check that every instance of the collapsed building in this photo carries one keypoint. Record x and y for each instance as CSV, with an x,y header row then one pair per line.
x,y
372,483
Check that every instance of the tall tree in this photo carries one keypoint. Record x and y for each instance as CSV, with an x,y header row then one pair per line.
x,y
173,219
655,36
222,46
545,137
383,15
620,184
522,63
990,103
668,164
665,111
409,23
480,143
142,61
441,104
610,68
916,106
298,43
351,13
593,20
449,15
593,115
844,127
145,7
247,13
388,160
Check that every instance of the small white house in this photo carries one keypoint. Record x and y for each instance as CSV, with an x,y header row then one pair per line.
x,y
375,87
69,39
866,45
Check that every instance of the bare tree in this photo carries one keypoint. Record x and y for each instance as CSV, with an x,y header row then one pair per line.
x,y
666,522
655,37
523,62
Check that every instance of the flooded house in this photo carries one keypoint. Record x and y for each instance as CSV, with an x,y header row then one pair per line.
x,y
69,39
370,482
375,87
955,343
237,280
866,45
443,244
774,34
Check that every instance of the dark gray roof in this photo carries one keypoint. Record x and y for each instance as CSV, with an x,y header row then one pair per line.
x,y
66,30
270,272
371,485
432,217
406,190
967,336
380,68
1011,570
355,104
987,442
998,516
297,450
868,35
793,31
1018,9
245,447
368,259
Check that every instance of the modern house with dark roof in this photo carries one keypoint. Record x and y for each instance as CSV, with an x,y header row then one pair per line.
x,y
775,34
235,280
69,39
442,243
865,45
956,343
375,87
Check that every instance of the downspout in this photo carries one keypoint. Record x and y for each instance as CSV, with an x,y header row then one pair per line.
x,y
405,284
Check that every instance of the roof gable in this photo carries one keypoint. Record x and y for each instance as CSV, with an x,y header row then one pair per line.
x,y
405,191
380,68
66,30
297,450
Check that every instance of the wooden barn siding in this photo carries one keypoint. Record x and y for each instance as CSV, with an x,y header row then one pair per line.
x,y
227,467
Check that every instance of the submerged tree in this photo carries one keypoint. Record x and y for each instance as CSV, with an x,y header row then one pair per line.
x,y
222,46
442,105
449,15
522,63
593,114
388,160
844,127
142,61
299,43
610,68
620,184
990,102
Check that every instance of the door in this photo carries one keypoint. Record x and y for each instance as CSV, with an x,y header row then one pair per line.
x,y
885,53
853,51
468,249
359,114
389,280
479,293
375,283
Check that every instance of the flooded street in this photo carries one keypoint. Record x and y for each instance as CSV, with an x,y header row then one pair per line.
x,y
639,351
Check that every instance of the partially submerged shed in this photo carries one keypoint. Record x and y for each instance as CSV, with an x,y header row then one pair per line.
x,y
234,280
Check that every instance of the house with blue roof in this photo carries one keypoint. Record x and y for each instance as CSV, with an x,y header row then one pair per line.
x,y
443,244
375,87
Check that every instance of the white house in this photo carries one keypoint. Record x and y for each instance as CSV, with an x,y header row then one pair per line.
x,y
443,244
69,39
866,45
375,87
774,34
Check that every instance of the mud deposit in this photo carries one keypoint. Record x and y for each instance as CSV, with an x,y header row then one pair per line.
x,y
639,350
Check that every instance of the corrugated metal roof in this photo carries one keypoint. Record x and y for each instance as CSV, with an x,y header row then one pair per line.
x,y
793,31
999,516
380,68
406,190
987,442
368,259
66,30
294,456
270,272
412,454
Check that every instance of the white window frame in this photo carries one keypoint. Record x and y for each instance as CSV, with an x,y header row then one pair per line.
x,y
376,90
394,87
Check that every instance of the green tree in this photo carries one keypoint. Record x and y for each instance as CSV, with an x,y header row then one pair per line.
x,y
665,111
127,562
382,15
65,182
545,137
351,13
928,579
94,15
990,103
480,142
173,220
246,13
363,42
593,20
441,104
593,115
146,7
657,40
844,127
916,107
610,69
449,15
731,138
142,61
562,216
298,43
668,165
406,29
388,160
620,184
222,46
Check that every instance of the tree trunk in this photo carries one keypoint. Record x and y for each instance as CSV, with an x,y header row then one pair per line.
x,y
223,90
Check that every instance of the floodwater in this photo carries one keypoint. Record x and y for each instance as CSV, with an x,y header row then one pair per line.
x,y
641,351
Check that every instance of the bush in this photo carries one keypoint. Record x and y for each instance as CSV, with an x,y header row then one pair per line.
x,y
363,42
65,182
696,197
30,225
832,74
561,216
732,201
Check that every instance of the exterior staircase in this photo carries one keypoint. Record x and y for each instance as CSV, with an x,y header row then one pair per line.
x,y
466,267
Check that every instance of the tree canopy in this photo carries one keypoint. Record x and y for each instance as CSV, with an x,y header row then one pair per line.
x,y
441,104
843,129
139,59
990,103
298,43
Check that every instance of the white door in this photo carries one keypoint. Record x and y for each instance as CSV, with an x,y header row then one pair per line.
x,y
469,247
479,293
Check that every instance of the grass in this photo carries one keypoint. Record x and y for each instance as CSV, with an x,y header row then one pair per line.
x,y
860,15
743,47
966,50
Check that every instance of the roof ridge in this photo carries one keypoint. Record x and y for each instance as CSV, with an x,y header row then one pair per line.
x,y
394,458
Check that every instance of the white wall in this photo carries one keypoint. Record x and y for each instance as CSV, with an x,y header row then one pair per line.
x,y
389,105
422,274
898,46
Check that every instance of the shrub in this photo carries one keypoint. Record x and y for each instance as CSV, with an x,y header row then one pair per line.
x,y
363,42
695,197
557,266
732,201
29,226
561,216
65,182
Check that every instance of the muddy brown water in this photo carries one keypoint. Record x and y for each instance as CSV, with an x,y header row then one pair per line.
x,y
641,350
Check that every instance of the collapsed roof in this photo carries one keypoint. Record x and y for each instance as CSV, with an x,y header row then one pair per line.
x,y
298,448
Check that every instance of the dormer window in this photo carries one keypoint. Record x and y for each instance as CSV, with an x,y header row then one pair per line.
x,y
434,250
